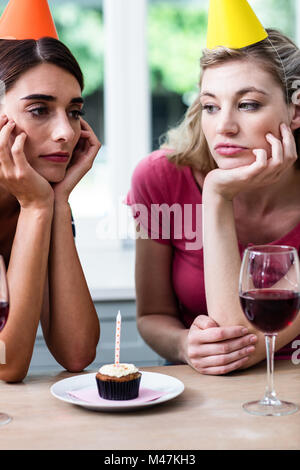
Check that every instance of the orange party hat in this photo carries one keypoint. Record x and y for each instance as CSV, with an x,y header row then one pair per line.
x,y
27,19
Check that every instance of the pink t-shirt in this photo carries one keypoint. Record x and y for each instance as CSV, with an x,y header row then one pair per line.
x,y
155,182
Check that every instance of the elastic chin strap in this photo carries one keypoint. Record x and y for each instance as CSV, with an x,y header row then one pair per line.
x,y
285,79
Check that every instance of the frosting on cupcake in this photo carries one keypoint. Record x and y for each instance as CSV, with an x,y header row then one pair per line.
x,y
120,370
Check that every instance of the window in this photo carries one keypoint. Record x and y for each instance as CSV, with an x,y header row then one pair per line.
x,y
141,64
103,222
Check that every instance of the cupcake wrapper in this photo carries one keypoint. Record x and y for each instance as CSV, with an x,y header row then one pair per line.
x,y
111,390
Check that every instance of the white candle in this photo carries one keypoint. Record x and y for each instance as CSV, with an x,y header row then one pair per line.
x,y
118,335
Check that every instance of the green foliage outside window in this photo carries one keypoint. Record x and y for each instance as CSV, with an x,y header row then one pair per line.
x,y
81,29
176,36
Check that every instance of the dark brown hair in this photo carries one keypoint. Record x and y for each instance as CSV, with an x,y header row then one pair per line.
x,y
18,56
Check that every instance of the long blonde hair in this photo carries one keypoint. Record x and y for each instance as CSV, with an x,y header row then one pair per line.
x,y
279,56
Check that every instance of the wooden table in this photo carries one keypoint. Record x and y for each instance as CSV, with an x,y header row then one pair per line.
x,y
207,415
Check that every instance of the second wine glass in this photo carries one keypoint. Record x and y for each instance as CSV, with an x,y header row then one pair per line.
x,y
4,309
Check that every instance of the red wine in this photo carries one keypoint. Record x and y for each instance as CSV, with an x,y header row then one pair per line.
x,y
270,310
4,307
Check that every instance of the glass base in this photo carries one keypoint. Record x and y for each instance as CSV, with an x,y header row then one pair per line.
x,y
270,407
4,419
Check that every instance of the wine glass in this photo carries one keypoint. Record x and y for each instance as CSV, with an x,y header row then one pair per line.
x,y
4,309
269,290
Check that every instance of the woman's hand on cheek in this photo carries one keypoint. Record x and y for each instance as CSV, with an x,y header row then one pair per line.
x,y
16,174
82,161
263,172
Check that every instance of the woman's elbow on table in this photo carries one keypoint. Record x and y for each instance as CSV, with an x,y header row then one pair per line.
x,y
76,355
77,362
12,374
77,365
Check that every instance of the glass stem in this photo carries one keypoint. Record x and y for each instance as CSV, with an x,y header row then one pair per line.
x,y
270,394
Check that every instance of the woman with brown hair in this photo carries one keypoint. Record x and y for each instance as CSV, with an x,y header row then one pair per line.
x,y
234,156
45,149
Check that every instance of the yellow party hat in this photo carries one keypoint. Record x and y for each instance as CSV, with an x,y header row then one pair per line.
x,y
27,19
233,24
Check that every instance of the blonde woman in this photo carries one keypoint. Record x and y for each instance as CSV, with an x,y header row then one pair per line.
x,y
235,157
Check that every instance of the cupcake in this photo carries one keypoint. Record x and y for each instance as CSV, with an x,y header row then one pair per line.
x,y
118,382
